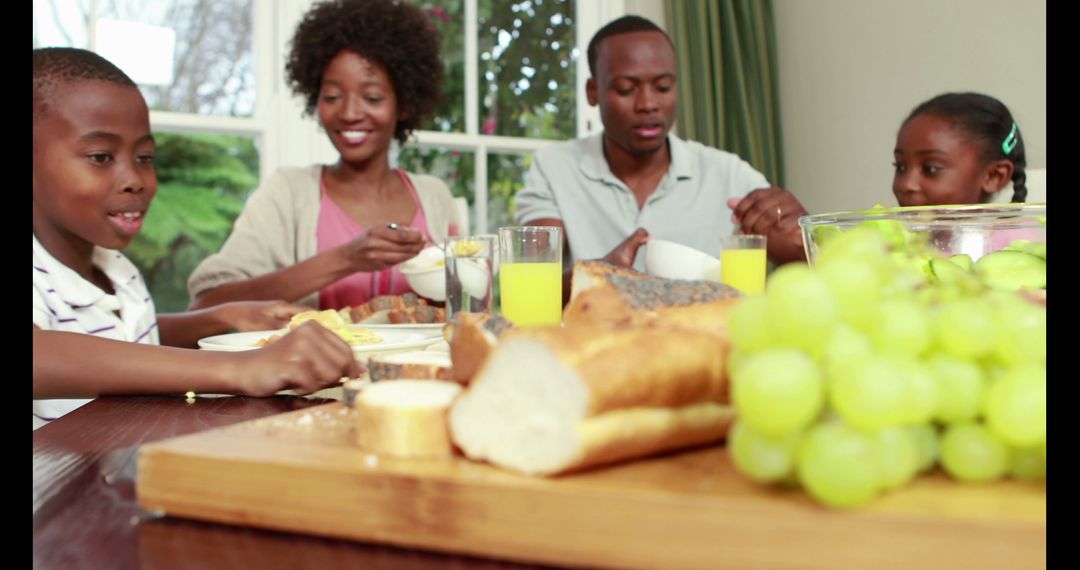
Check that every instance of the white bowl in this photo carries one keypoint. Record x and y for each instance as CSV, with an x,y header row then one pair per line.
x,y
677,261
428,283
430,257
426,274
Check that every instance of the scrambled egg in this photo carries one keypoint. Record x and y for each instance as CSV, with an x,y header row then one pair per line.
x,y
468,247
336,322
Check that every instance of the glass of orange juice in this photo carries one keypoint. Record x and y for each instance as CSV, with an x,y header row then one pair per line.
x,y
530,269
742,263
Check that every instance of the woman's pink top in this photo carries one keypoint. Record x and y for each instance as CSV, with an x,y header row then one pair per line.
x,y
335,227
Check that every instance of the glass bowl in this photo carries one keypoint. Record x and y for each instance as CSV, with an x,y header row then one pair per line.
x,y
975,230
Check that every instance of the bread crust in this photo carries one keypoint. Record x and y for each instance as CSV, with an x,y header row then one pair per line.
x,y
626,434
397,367
631,367
606,294
471,336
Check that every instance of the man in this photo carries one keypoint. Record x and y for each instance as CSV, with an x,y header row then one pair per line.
x,y
610,192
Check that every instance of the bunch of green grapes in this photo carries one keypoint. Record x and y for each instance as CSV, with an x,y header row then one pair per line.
x,y
853,377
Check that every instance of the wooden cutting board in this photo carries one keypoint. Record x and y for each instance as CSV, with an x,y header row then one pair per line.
x,y
302,472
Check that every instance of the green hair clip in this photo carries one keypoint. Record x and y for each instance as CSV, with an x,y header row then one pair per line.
x,y
1010,141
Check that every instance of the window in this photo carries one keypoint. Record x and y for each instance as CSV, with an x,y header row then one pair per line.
x,y
224,118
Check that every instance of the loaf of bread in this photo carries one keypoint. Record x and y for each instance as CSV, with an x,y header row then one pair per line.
x,y
406,418
551,400
471,337
415,365
604,293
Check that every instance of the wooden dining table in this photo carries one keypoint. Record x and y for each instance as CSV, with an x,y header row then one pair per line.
x,y
86,516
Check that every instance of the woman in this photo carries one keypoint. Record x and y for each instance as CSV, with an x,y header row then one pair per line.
x,y
330,235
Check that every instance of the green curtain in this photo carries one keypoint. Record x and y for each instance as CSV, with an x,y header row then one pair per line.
x,y
728,92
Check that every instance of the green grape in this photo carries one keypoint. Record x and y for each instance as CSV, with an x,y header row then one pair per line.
x,y
778,391
1043,449
969,452
859,244
873,395
1027,463
735,359
824,234
925,437
761,458
1021,330
1011,270
855,284
966,329
801,309
903,277
922,391
897,456
1017,245
944,271
963,261
1016,406
894,232
845,347
748,325
838,466
960,387
903,328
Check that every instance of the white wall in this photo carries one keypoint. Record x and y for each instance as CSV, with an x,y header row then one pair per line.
x,y
851,71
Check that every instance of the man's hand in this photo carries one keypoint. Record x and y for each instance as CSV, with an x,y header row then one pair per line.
x,y
623,255
772,212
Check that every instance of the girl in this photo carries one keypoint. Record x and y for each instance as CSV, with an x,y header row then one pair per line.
x,y
958,148
330,235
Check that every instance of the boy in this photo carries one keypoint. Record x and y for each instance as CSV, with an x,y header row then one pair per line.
x,y
95,329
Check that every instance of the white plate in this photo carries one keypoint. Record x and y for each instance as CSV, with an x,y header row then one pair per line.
x,y
429,328
392,341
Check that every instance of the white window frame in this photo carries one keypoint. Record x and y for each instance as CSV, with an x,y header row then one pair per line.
x,y
287,138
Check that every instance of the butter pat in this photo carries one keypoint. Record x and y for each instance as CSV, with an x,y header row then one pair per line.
x,y
405,418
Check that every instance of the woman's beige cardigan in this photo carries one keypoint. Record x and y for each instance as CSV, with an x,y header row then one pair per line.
x,y
277,228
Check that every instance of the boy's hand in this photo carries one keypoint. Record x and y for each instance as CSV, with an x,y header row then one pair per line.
x,y
307,359
623,255
383,246
258,315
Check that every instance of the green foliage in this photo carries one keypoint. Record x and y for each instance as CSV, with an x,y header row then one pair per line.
x,y
506,174
540,51
527,79
203,181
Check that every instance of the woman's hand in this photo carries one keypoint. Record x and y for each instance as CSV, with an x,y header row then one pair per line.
x,y
772,212
383,246
257,315
307,359
623,255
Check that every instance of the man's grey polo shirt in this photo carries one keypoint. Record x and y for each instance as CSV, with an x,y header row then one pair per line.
x,y
571,181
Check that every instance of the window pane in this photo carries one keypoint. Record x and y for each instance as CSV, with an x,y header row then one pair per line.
x,y
203,181
448,17
505,175
189,56
528,58
61,23
455,167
